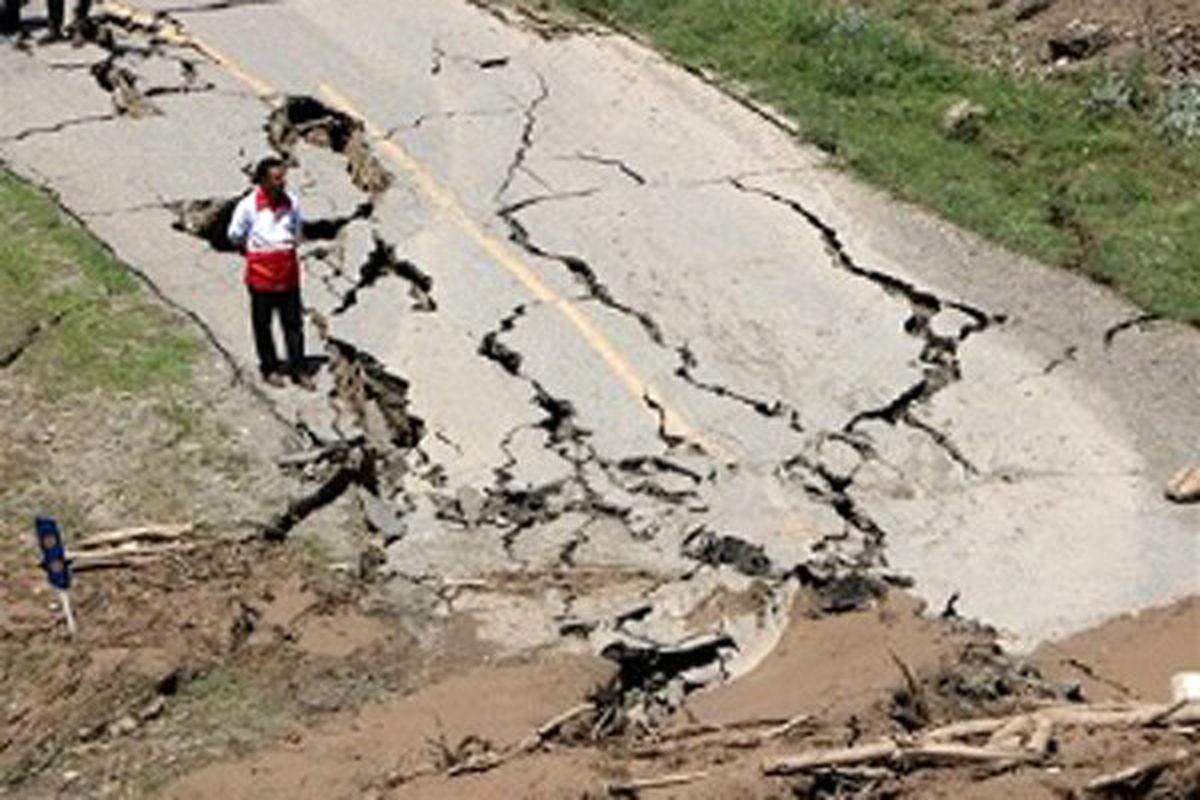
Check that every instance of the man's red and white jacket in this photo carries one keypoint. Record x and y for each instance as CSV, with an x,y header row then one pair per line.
x,y
269,234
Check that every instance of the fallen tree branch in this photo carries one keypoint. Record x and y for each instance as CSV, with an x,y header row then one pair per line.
x,y
1097,716
1113,780
619,788
124,556
168,532
890,750
489,761
937,745
693,738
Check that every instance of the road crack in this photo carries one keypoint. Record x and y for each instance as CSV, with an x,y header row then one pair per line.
x,y
939,355
58,127
526,140
382,261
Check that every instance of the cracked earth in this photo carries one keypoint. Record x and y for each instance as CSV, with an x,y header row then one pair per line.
x,y
590,352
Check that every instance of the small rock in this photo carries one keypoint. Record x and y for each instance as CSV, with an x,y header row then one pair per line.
x,y
1078,41
70,776
153,709
125,725
1185,486
963,121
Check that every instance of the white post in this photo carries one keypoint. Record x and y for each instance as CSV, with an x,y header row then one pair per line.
x,y
67,613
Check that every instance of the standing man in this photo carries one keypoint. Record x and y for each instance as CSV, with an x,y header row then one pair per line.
x,y
266,225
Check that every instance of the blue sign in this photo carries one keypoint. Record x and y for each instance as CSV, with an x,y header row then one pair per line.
x,y
54,555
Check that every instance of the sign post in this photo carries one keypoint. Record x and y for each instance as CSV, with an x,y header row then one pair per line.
x,y
54,562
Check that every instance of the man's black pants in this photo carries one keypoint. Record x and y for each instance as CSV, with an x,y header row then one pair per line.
x,y
263,305
10,20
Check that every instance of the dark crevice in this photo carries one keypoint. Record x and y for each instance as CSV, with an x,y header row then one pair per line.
x,y
303,118
821,484
942,440
59,127
13,352
217,5
420,120
526,140
187,88
939,354
324,230
725,550
770,409
383,261
495,350
206,219
1139,322
357,470
1068,356
623,167
671,440
363,385
121,83
576,266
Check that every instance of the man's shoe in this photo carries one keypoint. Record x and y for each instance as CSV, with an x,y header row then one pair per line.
x,y
275,379
50,37
304,381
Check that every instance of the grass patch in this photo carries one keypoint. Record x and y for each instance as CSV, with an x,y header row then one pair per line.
x,y
1111,194
95,330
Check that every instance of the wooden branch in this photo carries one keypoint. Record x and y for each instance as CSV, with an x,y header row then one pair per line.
x,y
1039,741
619,788
1098,716
696,741
848,756
704,729
970,727
549,728
889,750
168,532
489,761
1114,779
961,753
81,560
1009,734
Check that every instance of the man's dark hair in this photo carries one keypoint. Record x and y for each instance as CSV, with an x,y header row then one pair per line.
x,y
266,165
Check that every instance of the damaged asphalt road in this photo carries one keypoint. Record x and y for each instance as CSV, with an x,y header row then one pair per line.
x,y
598,349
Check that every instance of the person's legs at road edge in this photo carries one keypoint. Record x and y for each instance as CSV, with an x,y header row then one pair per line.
x,y
81,26
10,18
54,9
262,308
292,317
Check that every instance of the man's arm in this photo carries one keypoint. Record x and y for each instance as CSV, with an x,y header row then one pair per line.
x,y
240,225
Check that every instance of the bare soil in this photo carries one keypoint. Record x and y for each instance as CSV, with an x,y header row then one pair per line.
x,y
1012,34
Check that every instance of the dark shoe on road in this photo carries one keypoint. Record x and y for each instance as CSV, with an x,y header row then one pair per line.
x,y
275,379
304,381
